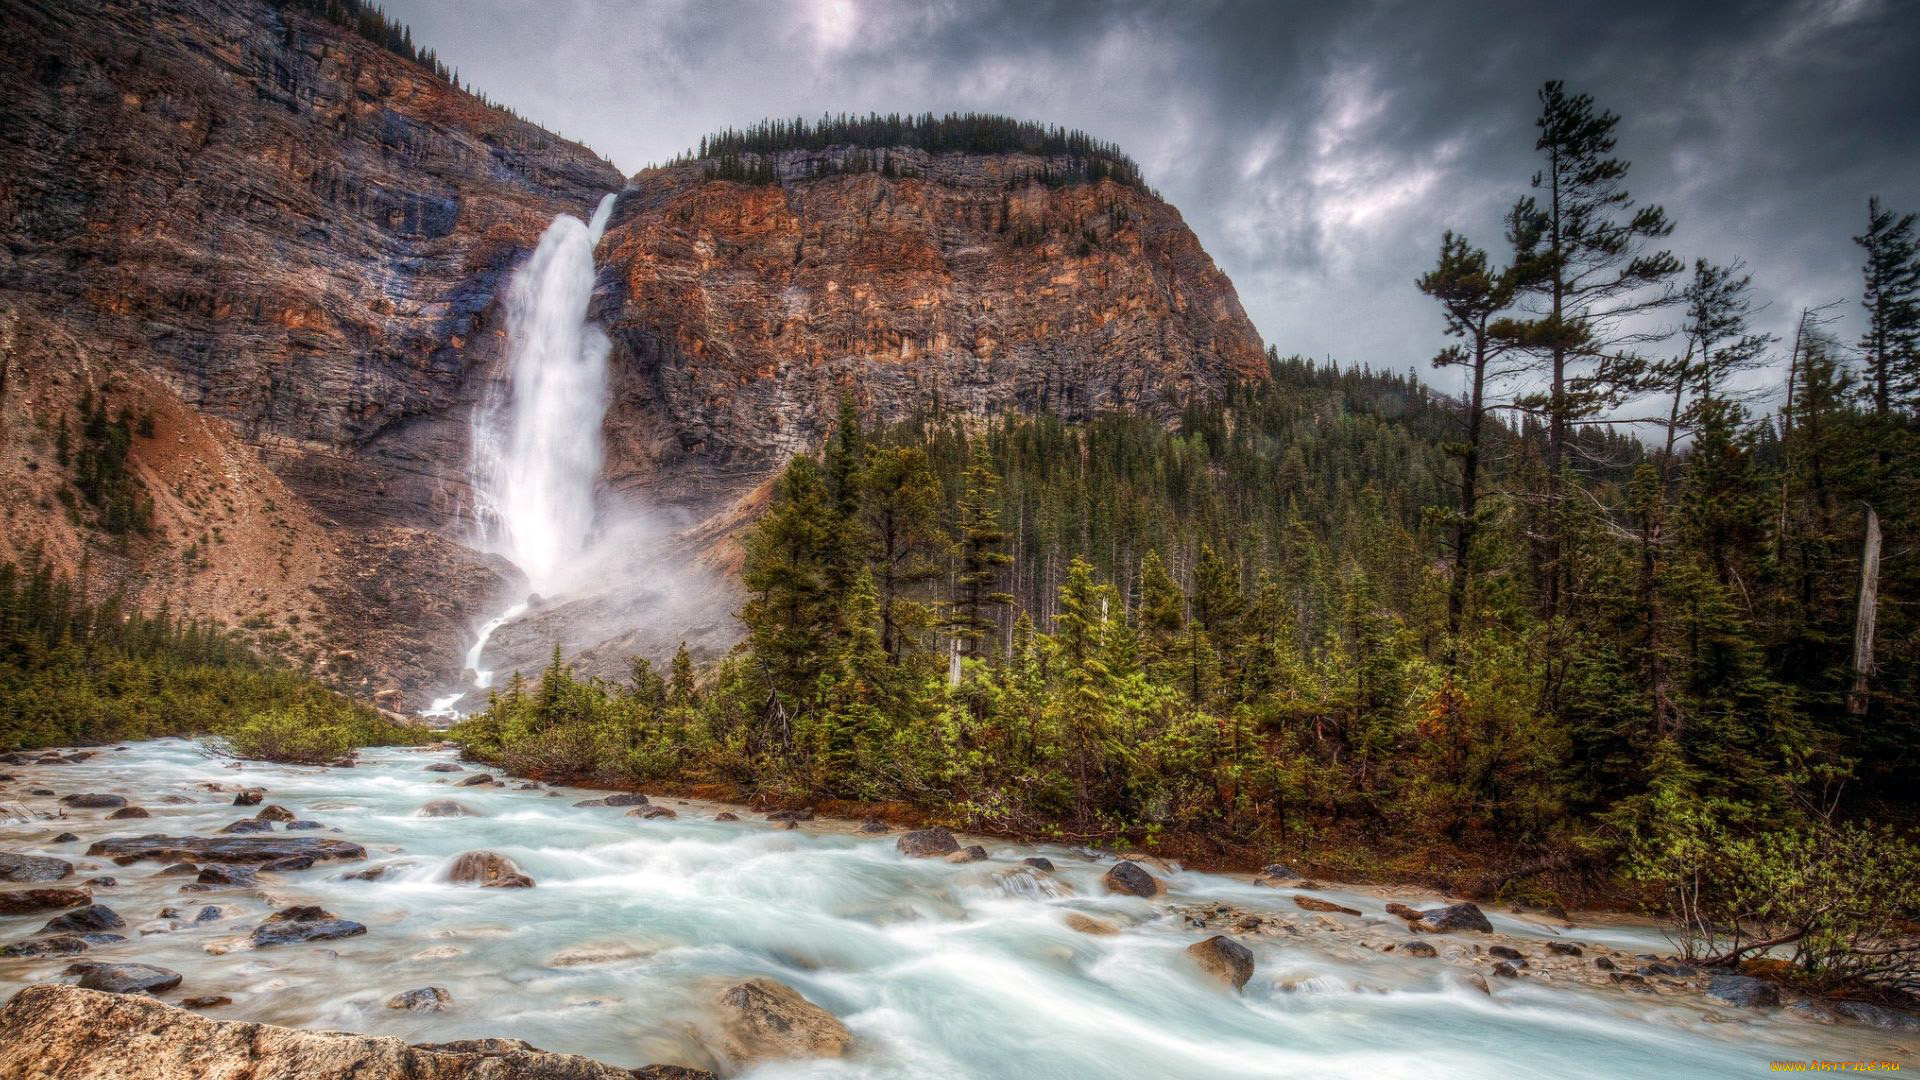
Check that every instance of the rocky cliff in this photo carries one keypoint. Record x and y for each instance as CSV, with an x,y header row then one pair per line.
x,y
280,248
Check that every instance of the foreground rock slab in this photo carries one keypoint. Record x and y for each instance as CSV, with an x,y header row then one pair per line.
x,y
18,866
77,1034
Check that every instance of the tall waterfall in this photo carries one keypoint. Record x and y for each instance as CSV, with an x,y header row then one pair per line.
x,y
537,452
536,443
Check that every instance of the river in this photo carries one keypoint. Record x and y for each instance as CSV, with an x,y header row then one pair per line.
x,y
939,969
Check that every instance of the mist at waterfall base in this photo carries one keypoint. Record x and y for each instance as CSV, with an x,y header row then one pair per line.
x,y
593,565
635,928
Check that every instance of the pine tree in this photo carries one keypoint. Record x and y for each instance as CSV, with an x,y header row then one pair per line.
x,y
1891,344
981,541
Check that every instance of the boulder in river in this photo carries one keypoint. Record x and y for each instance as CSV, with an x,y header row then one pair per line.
x,y
178,869
971,853
33,901
422,999
299,825
94,802
1506,952
58,945
91,919
1454,917
872,826
242,877
1224,959
87,1035
1394,907
651,812
1743,991
762,1020
487,869
19,866
1419,948
124,978
446,808
245,826
1505,970
444,766
1564,948
128,812
1087,924
1128,878
287,864
250,797
791,815
209,1001
1667,969
726,815
274,812
927,843
63,838
223,849
1314,903
291,926
476,780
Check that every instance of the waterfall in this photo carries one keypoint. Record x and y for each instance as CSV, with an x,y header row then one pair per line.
x,y
536,443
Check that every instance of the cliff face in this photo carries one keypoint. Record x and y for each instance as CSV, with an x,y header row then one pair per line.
x,y
741,312
287,247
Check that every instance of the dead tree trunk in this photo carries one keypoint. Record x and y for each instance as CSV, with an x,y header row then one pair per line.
x,y
1863,622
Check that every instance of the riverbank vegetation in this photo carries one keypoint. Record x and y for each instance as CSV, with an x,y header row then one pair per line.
x,y
78,671
1633,613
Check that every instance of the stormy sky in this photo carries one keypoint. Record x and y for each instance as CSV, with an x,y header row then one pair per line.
x,y
1318,149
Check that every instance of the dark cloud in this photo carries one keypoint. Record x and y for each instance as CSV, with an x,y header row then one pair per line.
x,y
1318,149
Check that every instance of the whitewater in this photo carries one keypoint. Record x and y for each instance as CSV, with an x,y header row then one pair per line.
x,y
940,970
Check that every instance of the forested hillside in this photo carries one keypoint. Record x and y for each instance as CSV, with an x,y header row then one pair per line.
x,y
1498,639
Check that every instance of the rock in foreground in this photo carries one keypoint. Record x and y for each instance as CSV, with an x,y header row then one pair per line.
x,y
17,866
1223,958
762,1019
80,1034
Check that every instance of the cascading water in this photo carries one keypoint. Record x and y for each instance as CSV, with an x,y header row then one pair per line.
x,y
536,445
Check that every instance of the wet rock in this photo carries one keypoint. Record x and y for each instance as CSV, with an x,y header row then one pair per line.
x,y
444,766
1668,970
1394,907
1479,982
1564,948
124,978
1223,958
1419,948
791,815
1743,991
304,826
763,1020
725,815
176,800
1087,924
274,812
1630,981
294,925
1278,872
288,864
63,838
58,945
242,877
210,1001
1314,903
231,849
927,843
671,1072
94,802
1039,862
1604,964
476,780
1505,952
1130,879
487,869
245,826
91,919
103,882
872,826
1454,917
34,901
250,797
526,785
971,853
1860,1012
40,791
652,812
446,808
81,1034
374,873
18,866
208,914
1505,970
127,812
422,999
625,798
178,869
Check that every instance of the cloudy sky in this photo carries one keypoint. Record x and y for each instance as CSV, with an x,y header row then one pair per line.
x,y
1318,149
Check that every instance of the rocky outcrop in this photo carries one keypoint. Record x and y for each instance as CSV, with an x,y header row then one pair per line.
x,y
761,1019
80,1034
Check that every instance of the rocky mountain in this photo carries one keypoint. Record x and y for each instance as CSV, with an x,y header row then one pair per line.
x,y
277,250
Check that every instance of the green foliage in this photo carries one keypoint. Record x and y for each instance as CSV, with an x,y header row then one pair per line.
x,y
75,671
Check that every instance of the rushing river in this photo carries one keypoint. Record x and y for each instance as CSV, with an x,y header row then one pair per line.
x,y
940,970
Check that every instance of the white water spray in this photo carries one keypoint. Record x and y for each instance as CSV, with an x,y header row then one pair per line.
x,y
536,446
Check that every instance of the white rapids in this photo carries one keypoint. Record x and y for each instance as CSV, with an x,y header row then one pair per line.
x,y
940,970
